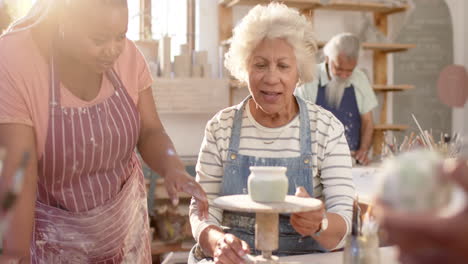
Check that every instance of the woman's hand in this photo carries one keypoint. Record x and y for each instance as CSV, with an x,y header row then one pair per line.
x,y
361,155
230,250
178,180
306,223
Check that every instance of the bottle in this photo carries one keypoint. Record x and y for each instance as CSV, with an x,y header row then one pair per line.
x,y
268,184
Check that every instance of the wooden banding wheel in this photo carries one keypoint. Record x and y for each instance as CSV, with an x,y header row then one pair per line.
x,y
266,218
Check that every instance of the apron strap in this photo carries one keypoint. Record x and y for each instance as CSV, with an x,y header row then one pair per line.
x,y
305,139
115,79
237,125
54,80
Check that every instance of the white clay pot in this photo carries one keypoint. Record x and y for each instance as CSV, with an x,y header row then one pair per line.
x,y
412,182
268,184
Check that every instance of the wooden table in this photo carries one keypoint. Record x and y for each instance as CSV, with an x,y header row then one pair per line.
x,y
388,255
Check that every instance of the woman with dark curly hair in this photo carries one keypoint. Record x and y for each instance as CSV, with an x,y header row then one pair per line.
x,y
75,93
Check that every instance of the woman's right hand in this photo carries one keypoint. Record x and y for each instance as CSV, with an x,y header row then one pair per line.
x,y
230,249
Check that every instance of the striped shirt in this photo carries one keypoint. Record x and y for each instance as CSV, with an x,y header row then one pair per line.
x,y
332,181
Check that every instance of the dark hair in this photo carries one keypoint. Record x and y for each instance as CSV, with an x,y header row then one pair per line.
x,y
42,8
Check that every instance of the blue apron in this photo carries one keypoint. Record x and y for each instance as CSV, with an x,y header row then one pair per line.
x,y
347,113
236,173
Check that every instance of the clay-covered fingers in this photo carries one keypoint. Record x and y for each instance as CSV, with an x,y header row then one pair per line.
x,y
364,160
362,157
171,189
301,192
230,250
194,188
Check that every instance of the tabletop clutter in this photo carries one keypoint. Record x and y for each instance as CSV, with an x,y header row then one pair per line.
x,y
402,174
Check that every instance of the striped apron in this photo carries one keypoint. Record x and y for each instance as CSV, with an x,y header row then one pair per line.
x,y
91,202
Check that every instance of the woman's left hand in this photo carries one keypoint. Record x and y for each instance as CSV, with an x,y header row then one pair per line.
x,y
179,180
306,223
361,155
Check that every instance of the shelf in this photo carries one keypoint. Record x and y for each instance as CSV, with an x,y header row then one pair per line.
x,y
339,5
235,84
382,47
392,88
361,6
387,47
301,4
190,95
390,127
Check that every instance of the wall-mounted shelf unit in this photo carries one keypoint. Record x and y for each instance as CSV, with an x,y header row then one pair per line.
x,y
334,5
380,50
392,88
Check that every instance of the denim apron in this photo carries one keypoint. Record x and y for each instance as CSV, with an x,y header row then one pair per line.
x,y
299,173
347,113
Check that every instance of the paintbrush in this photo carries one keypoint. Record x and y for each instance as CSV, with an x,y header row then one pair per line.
x,y
355,220
423,135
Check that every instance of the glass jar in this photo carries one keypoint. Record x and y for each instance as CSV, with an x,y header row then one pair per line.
x,y
268,184
361,250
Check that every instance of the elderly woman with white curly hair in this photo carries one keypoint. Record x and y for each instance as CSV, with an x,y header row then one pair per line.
x,y
273,50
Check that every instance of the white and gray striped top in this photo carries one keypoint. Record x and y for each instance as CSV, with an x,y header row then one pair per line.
x,y
332,181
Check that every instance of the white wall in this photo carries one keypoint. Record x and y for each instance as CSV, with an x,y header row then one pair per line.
x,y
459,9
206,31
186,131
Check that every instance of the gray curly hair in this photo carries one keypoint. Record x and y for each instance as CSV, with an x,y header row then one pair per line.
x,y
272,21
344,43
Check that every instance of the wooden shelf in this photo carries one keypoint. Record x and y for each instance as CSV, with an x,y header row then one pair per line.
x,y
392,127
301,4
382,47
392,88
339,5
387,47
343,5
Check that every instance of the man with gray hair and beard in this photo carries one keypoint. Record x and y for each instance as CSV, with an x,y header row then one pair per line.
x,y
346,92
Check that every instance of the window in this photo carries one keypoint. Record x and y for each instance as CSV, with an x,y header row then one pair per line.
x,y
168,17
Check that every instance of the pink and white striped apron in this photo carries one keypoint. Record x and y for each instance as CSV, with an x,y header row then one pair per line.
x,y
91,202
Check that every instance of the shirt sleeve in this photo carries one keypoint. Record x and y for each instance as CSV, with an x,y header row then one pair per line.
x,y
367,99
338,187
145,79
209,174
13,106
